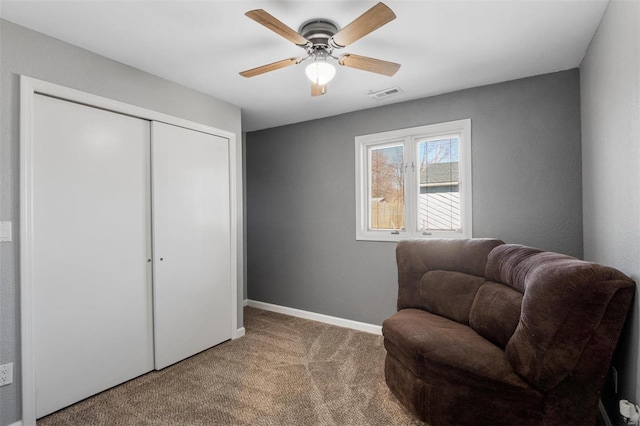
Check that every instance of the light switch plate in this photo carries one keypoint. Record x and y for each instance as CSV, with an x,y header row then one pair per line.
x,y
6,374
5,232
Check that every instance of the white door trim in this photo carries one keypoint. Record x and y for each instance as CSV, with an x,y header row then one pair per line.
x,y
28,88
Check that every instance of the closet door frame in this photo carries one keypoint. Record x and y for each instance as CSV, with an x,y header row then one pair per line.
x,y
29,87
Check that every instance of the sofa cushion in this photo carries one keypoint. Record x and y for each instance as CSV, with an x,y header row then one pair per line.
x,y
433,347
417,257
495,312
449,294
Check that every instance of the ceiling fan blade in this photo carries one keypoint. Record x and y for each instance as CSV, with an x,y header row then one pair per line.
x,y
270,67
371,20
318,89
369,64
264,18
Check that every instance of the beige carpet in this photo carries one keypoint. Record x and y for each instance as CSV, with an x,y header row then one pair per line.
x,y
284,371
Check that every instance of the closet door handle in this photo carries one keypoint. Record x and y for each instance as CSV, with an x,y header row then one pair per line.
x,y
148,260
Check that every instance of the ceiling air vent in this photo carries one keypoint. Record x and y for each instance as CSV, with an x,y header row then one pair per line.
x,y
382,94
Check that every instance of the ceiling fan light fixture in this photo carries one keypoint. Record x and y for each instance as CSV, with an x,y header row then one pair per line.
x,y
320,72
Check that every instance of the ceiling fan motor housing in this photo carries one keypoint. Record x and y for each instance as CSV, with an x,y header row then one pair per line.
x,y
318,32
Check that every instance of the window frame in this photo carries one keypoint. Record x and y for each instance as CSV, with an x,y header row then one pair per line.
x,y
409,139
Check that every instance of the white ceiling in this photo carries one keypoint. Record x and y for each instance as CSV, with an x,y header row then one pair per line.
x,y
443,46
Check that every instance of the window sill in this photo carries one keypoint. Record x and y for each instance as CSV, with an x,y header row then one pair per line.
x,y
387,236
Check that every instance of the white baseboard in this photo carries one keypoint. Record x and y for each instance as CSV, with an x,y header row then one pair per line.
x,y
239,333
245,302
327,319
603,413
18,423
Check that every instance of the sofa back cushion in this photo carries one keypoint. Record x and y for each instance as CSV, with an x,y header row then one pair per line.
x,y
491,309
417,257
564,303
495,312
449,294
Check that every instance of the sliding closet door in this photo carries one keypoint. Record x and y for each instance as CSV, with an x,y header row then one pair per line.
x,y
192,247
92,323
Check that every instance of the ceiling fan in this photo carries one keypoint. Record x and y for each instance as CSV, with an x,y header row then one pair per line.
x,y
319,38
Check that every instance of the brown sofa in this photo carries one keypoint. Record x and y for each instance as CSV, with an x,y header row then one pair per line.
x,y
489,333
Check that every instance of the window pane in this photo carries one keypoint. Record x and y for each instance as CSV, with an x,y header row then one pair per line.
x,y
386,188
439,195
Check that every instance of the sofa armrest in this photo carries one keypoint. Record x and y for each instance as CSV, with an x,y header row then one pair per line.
x,y
565,301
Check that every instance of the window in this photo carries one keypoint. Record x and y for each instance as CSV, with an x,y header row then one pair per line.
x,y
414,183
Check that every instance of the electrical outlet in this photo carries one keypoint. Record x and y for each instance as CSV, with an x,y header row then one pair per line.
x,y
630,412
6,374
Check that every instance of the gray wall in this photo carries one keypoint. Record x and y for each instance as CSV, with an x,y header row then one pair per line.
x,y
610,91
26,52
527,189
